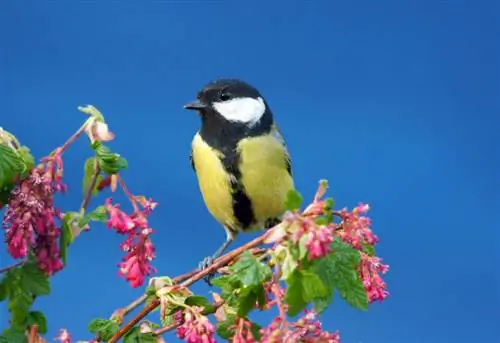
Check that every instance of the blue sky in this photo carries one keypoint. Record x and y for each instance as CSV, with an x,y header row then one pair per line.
x,y
392,101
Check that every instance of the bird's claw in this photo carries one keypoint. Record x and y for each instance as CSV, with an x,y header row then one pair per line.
x,y
207,262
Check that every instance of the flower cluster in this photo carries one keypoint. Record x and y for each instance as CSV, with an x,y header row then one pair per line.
x,y
138,246
194,327
307,330
30,219
243,332
64,336
356,227
370,270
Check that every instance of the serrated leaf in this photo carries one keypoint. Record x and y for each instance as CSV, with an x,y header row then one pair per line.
x,y
99,214
135,336
303,287
249,271
248,299
38,318
293,200
224,328
105,328
200,301
110,163
338,271
14,335
19,305
34,280
255,329
11,166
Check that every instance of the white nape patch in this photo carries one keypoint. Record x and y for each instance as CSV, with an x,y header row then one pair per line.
x,y
243,110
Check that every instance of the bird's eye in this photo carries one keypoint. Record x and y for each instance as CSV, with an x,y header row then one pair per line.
x,y
224,96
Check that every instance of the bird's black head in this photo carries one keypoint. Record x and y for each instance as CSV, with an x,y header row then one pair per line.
x,y
231,100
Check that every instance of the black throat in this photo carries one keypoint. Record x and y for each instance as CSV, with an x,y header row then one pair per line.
x,y
224,136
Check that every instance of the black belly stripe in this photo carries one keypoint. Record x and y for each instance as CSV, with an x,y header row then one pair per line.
x,y
242,205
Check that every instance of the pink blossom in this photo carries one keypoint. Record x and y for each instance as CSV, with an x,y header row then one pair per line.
x,y
64,336
356,228
30,219
196,328
307,330
318,242
138,246
370,270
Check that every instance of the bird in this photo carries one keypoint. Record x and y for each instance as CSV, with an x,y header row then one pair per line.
x,y
240,158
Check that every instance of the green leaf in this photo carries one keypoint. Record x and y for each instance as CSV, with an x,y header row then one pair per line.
x,y
200,301
105,328
110,163
14,335
329,204
4,289
66,235
249,271
34,279
293,200
11,165
224,329
368,249
88,171
19,305
248,299
100,214
255,329
135,336
303,287
338,271
38,318
28,159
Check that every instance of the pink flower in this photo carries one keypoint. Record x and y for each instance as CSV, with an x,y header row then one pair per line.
x,y
307,330
117,219
196,328
138,246
318,242
99,131
64,336
370,270
356,228
30,219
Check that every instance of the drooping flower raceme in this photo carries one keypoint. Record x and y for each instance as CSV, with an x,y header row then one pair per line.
x,y
307,330
136,265
195,327
30,219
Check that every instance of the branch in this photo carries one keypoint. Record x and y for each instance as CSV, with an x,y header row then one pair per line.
x,y
12,266
90,189
197,275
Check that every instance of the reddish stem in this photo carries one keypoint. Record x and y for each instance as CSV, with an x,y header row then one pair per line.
x,y
6,269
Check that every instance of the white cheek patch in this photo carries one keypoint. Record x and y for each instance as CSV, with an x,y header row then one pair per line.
x,y
243,110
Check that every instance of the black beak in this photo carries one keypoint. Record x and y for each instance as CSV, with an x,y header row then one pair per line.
x,y
195,105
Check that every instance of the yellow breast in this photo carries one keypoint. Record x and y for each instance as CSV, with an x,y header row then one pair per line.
x,y
214,181
264,175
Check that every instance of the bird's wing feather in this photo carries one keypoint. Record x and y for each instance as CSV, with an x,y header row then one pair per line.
x,y
191,160
275,133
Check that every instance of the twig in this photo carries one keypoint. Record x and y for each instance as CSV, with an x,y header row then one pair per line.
x,y
6,269
90,189
220,262
73,138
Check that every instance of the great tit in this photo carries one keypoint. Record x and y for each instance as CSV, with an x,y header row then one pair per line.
x,y
240,158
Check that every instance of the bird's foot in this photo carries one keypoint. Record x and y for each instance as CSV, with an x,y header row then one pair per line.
x,y
207,262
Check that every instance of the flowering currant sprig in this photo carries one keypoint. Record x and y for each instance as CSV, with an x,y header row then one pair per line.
x,y
312,256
